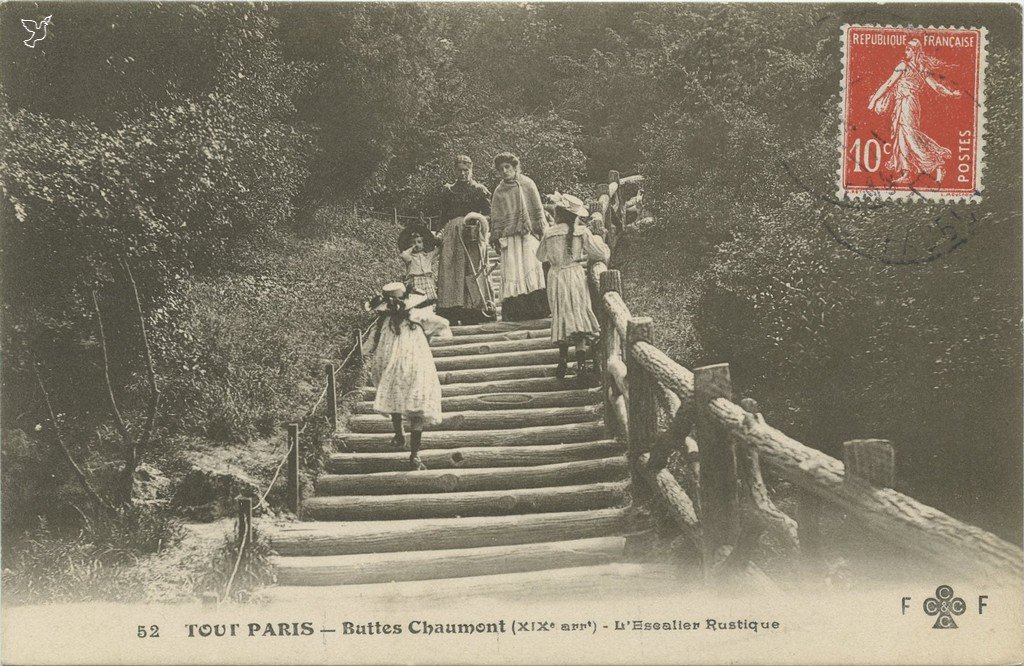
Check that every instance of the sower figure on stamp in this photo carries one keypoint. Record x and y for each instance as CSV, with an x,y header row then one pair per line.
x,y
567,246
913,152
463,292
517,223
403,368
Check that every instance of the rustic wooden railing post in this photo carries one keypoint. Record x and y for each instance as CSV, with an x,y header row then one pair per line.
x,y
808,525
357,343
757,512
294,488
396,216
611,281
612,220
718,480
244,520
332,398
643,397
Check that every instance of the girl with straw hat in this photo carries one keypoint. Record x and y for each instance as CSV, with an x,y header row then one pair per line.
x,y
567,247
403,368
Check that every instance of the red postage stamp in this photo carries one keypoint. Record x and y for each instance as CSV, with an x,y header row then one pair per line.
x,y
913,113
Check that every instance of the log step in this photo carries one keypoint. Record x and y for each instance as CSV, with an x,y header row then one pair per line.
x,y
468,480
535,334
492,347
390,536
473,457
453,439
450,505
502,360
502,327
487,420
507,400
489,374
526,384
453,563
607,581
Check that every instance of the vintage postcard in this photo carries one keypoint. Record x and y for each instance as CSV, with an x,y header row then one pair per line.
x,y
511,333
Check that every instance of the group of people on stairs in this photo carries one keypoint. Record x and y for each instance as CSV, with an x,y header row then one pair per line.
x,y
543,262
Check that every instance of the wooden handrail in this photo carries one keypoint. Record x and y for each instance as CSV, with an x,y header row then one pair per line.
x,y
971,551
616,308
669,374
638,378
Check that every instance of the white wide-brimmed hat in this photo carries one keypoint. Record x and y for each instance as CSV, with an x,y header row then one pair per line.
x,y
392,290
570,203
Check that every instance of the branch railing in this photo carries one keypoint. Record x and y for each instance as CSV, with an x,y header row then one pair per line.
x,y
399,219
723,505
291,459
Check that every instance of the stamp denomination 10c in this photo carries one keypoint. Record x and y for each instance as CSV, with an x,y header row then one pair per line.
x,y
913,112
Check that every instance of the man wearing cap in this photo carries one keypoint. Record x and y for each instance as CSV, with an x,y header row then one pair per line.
x,y
463,292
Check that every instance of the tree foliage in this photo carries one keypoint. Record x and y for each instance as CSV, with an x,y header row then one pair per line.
x,y
168,185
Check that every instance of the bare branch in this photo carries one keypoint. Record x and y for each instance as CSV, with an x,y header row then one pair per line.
x,y
79,472
119,421
150,370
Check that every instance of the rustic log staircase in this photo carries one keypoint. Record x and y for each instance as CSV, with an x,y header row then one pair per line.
x,y
524,491
534,483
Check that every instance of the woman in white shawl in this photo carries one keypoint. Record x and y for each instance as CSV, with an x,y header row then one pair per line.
x,y
517,222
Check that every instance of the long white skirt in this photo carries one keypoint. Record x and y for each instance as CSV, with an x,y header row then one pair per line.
x,y
569,299
521,271
406,377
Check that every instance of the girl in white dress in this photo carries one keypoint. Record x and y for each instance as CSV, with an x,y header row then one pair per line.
x,y
403,368
567,247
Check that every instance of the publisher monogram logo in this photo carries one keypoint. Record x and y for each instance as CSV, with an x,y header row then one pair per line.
x,y
945,606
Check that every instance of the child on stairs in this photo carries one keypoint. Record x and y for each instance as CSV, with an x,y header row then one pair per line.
x,y
419,260
567,247
403,367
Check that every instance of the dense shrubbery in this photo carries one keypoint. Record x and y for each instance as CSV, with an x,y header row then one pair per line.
x,y
167,184
835,345
263,332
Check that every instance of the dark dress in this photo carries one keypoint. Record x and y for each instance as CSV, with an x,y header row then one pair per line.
x,y
457,200
460,197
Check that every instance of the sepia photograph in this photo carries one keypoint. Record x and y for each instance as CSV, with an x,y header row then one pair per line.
x,y
511,333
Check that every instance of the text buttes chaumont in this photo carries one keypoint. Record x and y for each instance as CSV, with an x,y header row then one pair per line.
x,y
422,627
